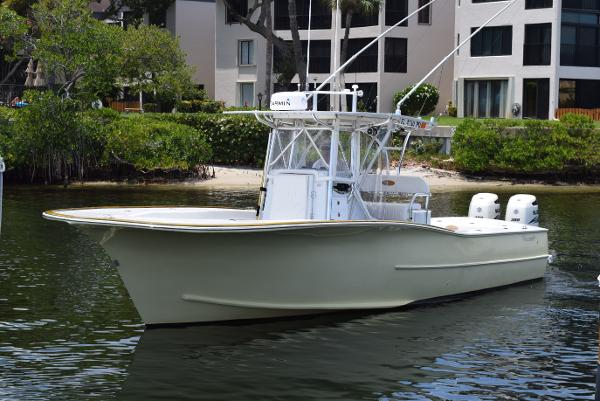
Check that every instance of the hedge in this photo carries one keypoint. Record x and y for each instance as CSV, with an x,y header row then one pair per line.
x,y
53,141
538,147
235,139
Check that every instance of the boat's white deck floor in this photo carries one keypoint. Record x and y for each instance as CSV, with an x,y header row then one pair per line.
x,y
193,217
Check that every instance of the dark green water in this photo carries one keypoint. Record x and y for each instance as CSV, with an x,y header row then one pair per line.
x,y
68,330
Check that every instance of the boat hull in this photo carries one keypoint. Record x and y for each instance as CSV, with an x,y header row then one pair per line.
x,y
196,276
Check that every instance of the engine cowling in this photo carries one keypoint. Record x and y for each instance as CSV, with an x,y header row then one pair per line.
x,y
484,206
522,208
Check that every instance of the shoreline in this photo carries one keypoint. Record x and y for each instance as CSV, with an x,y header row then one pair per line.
x,y
439,181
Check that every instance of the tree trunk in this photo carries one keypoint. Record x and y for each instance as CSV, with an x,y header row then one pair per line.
x,y
297,45
344,55
12,71
269,54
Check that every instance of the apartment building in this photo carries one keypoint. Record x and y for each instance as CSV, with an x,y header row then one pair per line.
x,y
403,57
193,21
537,56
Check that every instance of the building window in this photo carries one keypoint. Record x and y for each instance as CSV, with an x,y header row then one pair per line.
x,y
537,46
359,20
395,55
492,41
240,7
396,10
530,4
579,93
367,61
320,15
424,14
320,57
580,34
246,94
485,98
536,98
246,52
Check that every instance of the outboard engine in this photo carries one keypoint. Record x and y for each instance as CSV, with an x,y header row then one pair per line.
x,y
484,206
522,208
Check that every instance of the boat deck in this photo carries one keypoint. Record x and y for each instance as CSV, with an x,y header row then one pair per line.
x,y
217,219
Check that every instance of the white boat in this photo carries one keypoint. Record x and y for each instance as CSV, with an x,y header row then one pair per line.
x,y
337,228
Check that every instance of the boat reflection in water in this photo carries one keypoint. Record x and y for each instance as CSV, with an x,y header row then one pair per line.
x,y
493,344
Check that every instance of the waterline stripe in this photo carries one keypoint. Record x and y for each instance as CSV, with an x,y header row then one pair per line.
x,y
471,264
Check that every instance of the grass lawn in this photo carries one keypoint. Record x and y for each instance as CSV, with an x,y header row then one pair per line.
x,y
454,121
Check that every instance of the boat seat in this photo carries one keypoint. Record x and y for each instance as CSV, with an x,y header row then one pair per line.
x,y
391,210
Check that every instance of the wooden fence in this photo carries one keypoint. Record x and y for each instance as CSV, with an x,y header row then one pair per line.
x,y
123,106
593,113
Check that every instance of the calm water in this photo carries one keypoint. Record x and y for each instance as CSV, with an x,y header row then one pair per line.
x,y
68,330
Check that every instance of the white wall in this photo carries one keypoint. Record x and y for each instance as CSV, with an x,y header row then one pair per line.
x,y
427,44
194,22
469,15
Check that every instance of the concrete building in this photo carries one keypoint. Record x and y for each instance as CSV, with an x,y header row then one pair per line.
x,y
537,56
400,59
193,21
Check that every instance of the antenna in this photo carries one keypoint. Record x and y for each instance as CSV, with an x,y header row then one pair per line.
x,y
450,55
381,35
308,44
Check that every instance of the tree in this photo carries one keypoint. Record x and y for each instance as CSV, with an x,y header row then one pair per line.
x,y
349,8
14,32
153,62
80,52
421,103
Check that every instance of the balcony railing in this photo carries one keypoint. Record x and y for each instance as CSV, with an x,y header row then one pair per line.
x,y
580,55
536,53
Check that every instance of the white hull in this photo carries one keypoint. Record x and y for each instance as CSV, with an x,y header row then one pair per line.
x,y
247,269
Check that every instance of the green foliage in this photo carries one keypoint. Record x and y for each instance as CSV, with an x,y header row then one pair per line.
x,y
474,145
149,144
538,147
422,102
452,110
235,139
73,45
154,62
202,106
587,139
53,141
13,33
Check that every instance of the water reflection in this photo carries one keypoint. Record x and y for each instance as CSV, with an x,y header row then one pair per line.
x,y
68,330
504,344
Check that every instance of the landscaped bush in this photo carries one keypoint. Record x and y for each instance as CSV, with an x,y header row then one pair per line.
x,y
235,139
149,144
421,103
199,106
538,146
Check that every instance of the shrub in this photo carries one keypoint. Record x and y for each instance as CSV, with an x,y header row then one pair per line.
x,y
150,107
149,144
50,140
200,106
235,139
474,145
422,102
587,139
